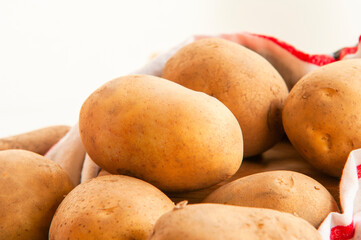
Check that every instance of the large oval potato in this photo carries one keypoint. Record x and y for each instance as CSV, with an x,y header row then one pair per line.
x,y
241,79
159,131
322,115
109,207
285,191
31,188
218,221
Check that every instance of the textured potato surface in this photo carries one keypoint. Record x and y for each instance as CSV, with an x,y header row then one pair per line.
x,y
241,79
31,187
172,137
109,207
217,221
322,115
285,191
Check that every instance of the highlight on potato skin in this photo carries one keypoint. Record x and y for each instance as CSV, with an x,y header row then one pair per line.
x,y
241,79
172,137
322,115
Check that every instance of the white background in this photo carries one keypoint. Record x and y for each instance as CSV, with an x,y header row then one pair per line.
x,y
53,54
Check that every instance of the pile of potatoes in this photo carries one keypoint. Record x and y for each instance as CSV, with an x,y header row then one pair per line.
x,y
215,104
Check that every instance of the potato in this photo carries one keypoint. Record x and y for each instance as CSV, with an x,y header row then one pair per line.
x,y
172,137
241,79
32,187
286,191
322,115
109,207
217,221
38,141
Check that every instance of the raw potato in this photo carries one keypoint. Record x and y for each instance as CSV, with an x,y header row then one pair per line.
x,y
32,187
284,191
172,137
322,115
217,221
241,79
109,207
38,141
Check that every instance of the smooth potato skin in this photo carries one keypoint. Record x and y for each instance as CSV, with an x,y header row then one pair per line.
x,y
218,221
109,207
241,79
285,191
159,131
32,187
322,115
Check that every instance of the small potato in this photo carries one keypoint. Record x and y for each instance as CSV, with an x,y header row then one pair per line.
x,y
172,137
322,115
109,207
241,79
285,191
31,187
38,141
218,221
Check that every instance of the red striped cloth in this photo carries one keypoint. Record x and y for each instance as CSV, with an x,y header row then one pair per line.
x,y
342,232
347,225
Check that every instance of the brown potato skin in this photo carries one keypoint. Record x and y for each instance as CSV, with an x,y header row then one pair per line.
x,y
38,141
172,137
218,221
241,79
285,191
322,115
109,207
32,187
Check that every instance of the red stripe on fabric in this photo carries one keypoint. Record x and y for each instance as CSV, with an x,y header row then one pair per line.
x,y
347,50
359,171
342,232
317,59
